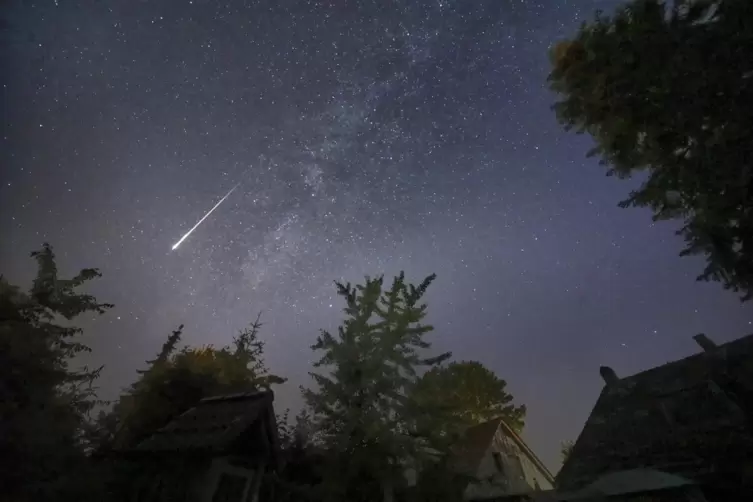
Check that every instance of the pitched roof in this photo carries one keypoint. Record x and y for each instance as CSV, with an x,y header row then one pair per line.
x,y
213,424
680,418
471,448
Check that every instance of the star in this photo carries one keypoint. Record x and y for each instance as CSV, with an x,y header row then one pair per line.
x,y
367,138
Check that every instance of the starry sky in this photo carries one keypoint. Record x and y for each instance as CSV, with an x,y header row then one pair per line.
x,y
365,137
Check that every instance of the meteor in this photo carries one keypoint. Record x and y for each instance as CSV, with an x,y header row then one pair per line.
x,y
175,246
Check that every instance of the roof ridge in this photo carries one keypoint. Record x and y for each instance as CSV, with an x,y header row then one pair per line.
x,y
601,443
527,449
488,437
211,423
236,395
720,348
468,451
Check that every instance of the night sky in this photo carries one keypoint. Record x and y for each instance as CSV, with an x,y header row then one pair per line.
x,y
366,137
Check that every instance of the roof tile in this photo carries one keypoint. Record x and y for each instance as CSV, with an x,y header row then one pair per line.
x,y
678,418
214,423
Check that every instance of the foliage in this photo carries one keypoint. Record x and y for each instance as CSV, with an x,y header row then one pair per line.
x,y
299,432
438,482
463,394
178,379
45,400
300,476
361,408
666,88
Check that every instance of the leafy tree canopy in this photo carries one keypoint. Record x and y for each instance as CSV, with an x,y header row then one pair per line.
x,y
666,87
178,379
464,394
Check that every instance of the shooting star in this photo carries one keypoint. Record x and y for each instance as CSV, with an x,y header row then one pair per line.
x,y
175,246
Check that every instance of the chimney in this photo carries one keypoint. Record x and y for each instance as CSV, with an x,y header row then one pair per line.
x,y
608,374
705,342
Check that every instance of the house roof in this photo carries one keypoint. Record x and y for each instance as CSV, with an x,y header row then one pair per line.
x,y
680,418
474,444
633,481
213,424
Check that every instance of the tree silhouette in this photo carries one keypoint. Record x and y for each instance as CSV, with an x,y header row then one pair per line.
x,y
665,89
361,406
178,379
45,399
463,394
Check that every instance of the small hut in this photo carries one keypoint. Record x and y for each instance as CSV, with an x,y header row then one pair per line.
x,y
217,451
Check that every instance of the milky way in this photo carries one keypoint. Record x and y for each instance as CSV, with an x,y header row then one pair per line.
x,y
368,137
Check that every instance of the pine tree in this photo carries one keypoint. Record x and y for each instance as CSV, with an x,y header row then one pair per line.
x,y
168,347
361,409
45,400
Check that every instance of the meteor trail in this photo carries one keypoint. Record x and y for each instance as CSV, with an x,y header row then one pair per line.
x,y
175,246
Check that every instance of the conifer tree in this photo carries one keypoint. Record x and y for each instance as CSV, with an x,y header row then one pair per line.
x,y
168,347
44,398
361,407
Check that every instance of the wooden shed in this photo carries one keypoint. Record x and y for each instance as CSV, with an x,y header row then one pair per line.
x,y
217,451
